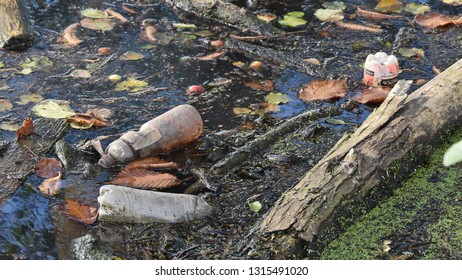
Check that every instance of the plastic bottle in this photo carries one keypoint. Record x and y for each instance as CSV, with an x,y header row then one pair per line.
x,y
381,70
123,204
171,130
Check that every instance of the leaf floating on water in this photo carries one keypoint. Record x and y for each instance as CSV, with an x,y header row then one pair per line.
x,y
452,2
148,32
265,85
337,5
145,179
100,112
68,37
131,85
89,120
374,15
54,109
94,13
436,70
389,6
30,98
51,186
433,20
329,15
239,111
116,15
313,61
255,206
152,163
5,105
25,71
292,21
419,82
102,24
276,98
417,9
1,65
80,73
210,56
414,52
336,121
372,95
267,17
35,61
80,212
26,129
48,167
323,90
183,25
9,126
296,14
453,155
130,55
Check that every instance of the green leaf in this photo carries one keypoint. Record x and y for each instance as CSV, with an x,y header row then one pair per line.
x,y
417,9
131,85
255,206
276,98
242,111
35,62
334,5
1,65
453,155
81,126
389,6
29,98
53,109
131,56
329,15
452,2
411,52
292,21
94,13
25,71
183,25
203,33
295,14
335,121
148,47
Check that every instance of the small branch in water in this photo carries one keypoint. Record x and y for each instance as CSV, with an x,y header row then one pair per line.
x,y
264,37
149,90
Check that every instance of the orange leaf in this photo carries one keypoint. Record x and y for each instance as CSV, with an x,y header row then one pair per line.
x,y
372,95
419,82
374,15
26,129
152,162
436,70
118,16
210,56
358,27
433,20
68,36
80,212
89,119
48,167
323,90
51,186
265,85
129,10
148,32
145,179
270,107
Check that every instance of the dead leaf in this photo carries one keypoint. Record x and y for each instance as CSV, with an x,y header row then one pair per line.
x,y
323,90
89,119
389,6
270,107
145,179
129,10
419,82
51,186
372,95
148,32
210,56
48,167
68,36
80,212
358,27
118,16
313,61
152,163
267,17
256,65
375,15
26,129
100,112
265,85
433,20
436,70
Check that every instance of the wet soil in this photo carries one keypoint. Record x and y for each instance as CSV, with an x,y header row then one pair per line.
x,y
32,225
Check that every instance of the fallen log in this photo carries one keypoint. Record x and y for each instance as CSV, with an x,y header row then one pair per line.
x,y
14,31
225,13
20,158
381,153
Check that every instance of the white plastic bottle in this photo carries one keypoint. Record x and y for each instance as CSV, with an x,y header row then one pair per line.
x,y
381,70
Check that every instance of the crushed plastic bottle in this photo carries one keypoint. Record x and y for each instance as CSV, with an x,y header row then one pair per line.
x,y
128,205
381,70
171,130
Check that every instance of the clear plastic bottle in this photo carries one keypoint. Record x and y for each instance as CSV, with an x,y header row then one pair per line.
x,y
381,70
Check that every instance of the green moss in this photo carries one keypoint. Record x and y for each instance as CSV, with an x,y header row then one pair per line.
x,y
428,203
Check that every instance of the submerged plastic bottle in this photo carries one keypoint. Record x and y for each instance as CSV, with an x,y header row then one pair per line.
x,y
128,205
381,70
171,130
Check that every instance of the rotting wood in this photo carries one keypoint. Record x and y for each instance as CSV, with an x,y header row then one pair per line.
x,y
393,140
20,158
225,13
257,145
14,31
274,56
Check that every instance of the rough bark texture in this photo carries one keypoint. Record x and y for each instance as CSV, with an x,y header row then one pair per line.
x,y
21,157
393,140
14,32
225,13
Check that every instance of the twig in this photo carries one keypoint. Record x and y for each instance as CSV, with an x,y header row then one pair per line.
x,y
149,90
263,37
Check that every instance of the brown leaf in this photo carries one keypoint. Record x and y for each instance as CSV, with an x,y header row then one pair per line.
x,y
210,56
148,33
152,162
433,20
323,90
68,37
48,167
373,95
89,119
270,107
145,179
26,129
118,16
129,10
419,82
80,212
51,186
436,70
375,15
265,85
358,27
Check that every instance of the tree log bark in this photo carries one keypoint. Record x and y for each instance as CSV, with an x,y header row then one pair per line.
x,y
21,157
14,31
391,142
225,13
